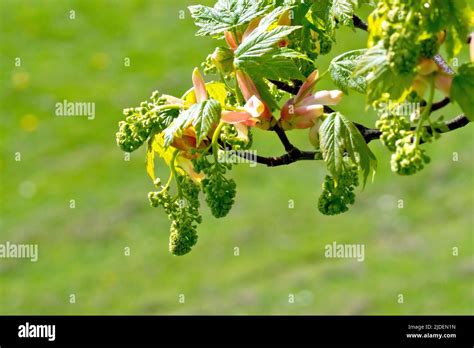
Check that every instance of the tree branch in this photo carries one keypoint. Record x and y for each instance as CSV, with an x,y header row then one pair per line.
x,y
359,23
369,134
439,105
283,137
282,86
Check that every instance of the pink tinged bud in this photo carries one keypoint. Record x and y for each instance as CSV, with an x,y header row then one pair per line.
x,y
199,86
246,85
301,117
307,116
307,88
324,98
230,39
251,27
288,110
248,88
443,82
310,111
238,117
254,107
234,117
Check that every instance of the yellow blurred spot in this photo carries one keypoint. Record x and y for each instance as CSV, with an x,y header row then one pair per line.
x,y
99,61
29,123
20,80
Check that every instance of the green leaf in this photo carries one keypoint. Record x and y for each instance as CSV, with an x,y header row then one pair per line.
x,y
333,153
273,67
382,81
462,90
264,90
341,69
454,17
208,115
340,137
259,55
225,15
259,43
343,10
202,116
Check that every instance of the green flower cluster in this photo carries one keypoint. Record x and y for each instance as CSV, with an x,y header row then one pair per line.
x,y
393,128
140,122
402,52
219,191
429,47
408,158
229,137
337,195
402,32
183,212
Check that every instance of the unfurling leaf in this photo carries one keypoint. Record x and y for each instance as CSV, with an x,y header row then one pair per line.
x,y
225,15
201,116
342,68
340,137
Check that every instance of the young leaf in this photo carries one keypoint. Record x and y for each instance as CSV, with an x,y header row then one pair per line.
x,y
225,15
202,116
340,137
260,56
333,152
343,10
259,43
208,115
462,90
272,67
341,69
374,67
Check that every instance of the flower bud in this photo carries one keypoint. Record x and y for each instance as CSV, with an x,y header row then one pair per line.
x,y
223,59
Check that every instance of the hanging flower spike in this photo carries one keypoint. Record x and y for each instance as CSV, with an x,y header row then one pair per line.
x,y
199,86
245,117
303,110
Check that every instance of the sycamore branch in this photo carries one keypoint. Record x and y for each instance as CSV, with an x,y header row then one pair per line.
x,y
294,154
359,23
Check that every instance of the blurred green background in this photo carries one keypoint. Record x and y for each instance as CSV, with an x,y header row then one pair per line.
x,y
408,251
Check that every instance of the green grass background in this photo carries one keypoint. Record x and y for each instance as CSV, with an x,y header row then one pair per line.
x,y
81,251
